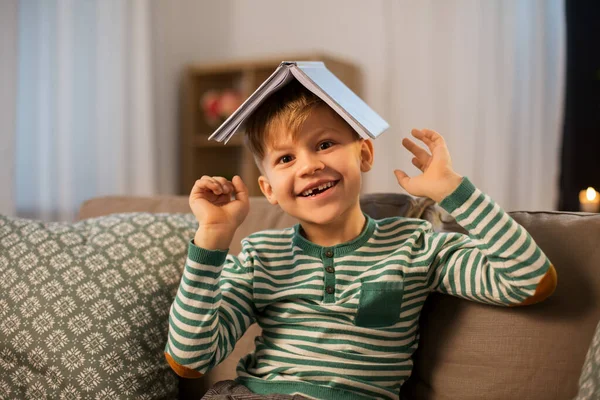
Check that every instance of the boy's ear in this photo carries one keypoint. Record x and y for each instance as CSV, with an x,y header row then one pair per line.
x,y
366,155
267,190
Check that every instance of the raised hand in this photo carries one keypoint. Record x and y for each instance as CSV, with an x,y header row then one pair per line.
x,y
437,179
220,206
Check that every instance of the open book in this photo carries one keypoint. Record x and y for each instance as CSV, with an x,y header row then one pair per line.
x,y
319,80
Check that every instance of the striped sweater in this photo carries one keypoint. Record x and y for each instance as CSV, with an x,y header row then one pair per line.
x,y
341,322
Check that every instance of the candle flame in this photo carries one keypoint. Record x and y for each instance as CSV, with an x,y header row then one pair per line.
x,y
591,193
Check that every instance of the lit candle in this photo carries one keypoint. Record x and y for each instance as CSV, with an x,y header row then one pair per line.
x,y
589,200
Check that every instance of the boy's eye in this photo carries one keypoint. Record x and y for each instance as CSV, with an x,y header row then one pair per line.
x,y
325,145
285,159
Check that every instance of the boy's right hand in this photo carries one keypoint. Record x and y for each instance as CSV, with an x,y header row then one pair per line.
x,y
217,213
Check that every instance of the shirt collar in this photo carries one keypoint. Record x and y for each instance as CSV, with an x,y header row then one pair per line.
x,y
315,250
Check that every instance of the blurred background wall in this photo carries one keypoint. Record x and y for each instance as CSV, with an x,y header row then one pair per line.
x,y
103,79
486,75
8,73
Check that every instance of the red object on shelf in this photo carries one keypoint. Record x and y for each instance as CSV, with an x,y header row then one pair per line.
x,y
218,105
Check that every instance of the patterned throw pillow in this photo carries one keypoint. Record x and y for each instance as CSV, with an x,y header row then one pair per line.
x,y
84,307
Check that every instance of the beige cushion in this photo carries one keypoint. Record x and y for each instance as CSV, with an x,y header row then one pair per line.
x,y
467,350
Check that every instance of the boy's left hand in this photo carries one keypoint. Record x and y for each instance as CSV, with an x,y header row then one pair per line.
x,y
438,179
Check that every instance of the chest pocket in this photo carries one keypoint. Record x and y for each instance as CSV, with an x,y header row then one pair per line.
x,y
379,304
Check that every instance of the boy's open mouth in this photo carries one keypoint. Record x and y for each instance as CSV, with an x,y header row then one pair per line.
x,y
319,189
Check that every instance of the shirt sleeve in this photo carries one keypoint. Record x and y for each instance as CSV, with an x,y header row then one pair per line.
x,y
213,308
498,262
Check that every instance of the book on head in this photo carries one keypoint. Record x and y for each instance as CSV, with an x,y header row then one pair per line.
x,y
315,76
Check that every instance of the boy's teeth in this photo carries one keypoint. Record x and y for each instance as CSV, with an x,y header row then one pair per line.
x,y
320,187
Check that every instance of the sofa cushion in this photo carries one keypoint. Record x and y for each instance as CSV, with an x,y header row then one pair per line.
x,y
84,307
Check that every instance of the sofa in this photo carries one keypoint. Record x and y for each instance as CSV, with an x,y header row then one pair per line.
x,y
467,350
84,307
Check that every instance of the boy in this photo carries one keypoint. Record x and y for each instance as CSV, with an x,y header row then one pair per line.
x,y
338,296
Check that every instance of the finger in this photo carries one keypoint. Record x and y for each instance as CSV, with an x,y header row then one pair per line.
x,y
431,134
417,163
226,185
206,183
211,184
241,191
438,145
403,179
435,138
221,182
422,137
417,150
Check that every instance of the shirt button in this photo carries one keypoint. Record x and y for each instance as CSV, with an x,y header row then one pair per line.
x,y
329,289
330,270
329,253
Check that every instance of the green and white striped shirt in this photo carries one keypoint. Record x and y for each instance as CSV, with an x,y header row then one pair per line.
x,y
341,322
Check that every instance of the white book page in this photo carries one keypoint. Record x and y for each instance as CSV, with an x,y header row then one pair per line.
x,y
280,77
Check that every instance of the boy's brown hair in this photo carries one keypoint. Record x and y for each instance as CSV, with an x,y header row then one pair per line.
x,y
290,106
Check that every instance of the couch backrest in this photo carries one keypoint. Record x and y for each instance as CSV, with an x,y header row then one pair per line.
x,y
467,350
473,351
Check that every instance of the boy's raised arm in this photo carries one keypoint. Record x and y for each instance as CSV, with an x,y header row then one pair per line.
x,y
214,303
498,262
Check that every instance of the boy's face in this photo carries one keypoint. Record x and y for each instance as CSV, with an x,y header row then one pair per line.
x,y
325,154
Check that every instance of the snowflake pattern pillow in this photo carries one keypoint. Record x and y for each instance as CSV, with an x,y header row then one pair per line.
x,y
84,307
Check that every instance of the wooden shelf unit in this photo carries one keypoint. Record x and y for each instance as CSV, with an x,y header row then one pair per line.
x,y
199,156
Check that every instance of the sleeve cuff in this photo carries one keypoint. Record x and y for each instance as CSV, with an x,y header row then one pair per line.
x,y
180,370
207,257
459,196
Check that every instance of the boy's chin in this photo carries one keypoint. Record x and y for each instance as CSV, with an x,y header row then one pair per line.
x,y
322,216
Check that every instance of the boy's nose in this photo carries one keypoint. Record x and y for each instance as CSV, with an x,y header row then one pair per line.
x,y
310,165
